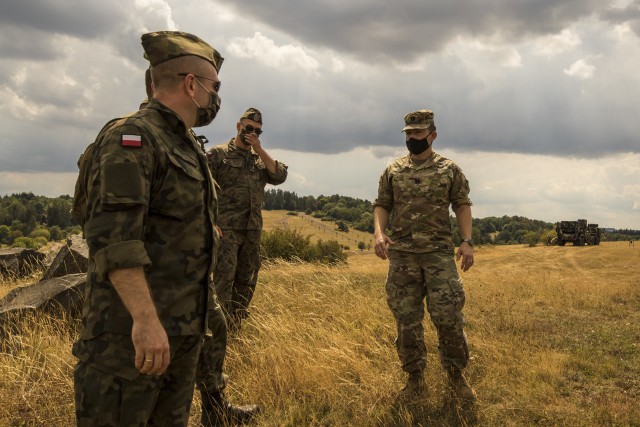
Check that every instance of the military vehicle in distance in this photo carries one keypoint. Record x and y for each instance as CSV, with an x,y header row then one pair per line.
x,y
578,232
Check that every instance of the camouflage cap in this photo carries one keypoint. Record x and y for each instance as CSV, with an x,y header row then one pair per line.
x,y
161,46
252,114
420,119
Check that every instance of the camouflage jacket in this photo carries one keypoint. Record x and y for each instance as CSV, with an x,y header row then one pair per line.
x,y
145,197
418,200
242,176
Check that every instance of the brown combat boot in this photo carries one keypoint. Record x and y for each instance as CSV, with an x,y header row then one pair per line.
x,y
415,386
218,412
460,388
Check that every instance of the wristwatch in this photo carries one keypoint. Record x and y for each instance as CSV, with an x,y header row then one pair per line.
x,y
469,241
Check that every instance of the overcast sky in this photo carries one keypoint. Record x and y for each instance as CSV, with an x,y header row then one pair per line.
x,y
536,100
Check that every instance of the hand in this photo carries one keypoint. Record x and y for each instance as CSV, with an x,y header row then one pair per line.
x,y
151,344
382,245
465,251
252,140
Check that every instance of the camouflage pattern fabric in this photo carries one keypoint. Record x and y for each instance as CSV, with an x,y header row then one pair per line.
x,y
419,119
236,273
242,177
161,46
145,197
432,277
209,376
149,203
110,391
418,199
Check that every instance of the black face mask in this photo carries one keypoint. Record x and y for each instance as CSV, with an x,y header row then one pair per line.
x,y
418,146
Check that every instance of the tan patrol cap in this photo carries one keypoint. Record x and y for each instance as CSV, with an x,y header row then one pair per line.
x,y
420,119
161,46
252,114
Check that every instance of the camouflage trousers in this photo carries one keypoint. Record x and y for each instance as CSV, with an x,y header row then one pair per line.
x,y
110,391
431,277
236,273
209,376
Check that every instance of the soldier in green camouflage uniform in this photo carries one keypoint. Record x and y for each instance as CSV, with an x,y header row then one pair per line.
x,y
242,168
147,204
414,195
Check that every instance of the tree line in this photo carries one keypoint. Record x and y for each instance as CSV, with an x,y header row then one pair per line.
x,y
357,213
31,221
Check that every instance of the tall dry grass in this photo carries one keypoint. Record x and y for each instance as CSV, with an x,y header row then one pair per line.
x,y
554,335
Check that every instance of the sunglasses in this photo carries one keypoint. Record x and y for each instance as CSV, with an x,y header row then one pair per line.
x,y
250,129
216,83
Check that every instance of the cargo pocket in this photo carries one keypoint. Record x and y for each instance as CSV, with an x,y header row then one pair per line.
x,y
457,293
182,187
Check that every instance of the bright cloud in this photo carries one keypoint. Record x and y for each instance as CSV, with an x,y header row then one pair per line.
x,y
580,69
265,51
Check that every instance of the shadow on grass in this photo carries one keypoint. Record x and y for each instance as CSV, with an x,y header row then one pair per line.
x,y
424,412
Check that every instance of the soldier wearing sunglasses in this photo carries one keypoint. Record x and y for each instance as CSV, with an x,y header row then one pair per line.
x,y
241,168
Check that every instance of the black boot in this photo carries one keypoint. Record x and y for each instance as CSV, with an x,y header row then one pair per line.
x,y
217,411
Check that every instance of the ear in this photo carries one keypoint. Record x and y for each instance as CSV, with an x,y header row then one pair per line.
x,y
435,135
189,82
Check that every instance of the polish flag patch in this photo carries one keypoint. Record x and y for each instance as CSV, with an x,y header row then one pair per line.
x,y
131,141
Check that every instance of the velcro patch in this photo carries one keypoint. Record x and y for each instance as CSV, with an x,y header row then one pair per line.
x,y
131,141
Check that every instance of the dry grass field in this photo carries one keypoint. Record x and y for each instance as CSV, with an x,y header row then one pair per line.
x,y
554,334
317,229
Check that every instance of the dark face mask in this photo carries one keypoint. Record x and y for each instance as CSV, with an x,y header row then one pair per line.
x,y
205,115
418,146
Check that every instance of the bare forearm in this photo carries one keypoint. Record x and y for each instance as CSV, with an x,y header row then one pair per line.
x,y
380,220
268,161
131,285
464,219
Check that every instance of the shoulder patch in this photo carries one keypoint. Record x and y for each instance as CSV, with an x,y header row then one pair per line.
x,y
131,141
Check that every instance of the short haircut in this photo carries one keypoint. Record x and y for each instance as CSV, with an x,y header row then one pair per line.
x,y
166,74
148,83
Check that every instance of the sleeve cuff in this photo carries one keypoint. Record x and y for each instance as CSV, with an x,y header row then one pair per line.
x,y
127,254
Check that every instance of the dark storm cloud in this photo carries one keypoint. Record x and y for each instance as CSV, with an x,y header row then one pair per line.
x,y
84,19
404,30
630,15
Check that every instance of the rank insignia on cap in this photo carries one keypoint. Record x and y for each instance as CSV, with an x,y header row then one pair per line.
x,y
131,141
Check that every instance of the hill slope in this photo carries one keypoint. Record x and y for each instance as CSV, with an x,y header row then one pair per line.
x,y
553,331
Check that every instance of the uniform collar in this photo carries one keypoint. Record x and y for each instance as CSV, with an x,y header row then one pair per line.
x,y
234,149
429,161
168,114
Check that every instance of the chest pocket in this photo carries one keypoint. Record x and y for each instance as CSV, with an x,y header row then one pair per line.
x,y
185,163
182,189
234,162
434,187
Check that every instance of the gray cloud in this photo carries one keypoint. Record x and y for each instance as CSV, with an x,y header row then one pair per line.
x,y
87,19
405,30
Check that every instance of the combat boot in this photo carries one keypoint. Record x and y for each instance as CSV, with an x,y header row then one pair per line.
x,y
218,412
460,388
415,385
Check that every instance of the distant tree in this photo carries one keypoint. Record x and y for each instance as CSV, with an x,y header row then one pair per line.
x,y
41,232
25,242
341,226
56,233
5,234
361,245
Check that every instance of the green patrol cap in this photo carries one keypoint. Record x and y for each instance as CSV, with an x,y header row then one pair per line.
x,y
420,119
161,46
252,114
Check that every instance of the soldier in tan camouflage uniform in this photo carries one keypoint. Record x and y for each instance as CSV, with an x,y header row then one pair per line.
x,y
242,168
146,201
414,195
